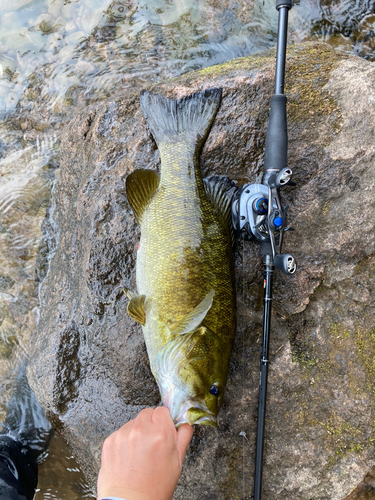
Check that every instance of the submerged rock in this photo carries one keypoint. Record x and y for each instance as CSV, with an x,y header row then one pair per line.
x,y
90,369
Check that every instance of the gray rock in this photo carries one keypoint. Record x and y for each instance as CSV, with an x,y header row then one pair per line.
x,y
89,368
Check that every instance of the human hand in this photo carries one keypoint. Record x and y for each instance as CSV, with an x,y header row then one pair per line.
x,y
143,459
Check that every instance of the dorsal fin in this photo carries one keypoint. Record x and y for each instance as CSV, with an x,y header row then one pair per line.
x,y
220,190
192,320
141,185
136,309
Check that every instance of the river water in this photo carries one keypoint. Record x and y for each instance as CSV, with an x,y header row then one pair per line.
x,y
56,54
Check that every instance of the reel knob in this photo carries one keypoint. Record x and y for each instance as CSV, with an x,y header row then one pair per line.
x,y
278,222
281,179
285,263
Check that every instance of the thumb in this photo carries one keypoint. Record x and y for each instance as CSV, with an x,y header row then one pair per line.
x,y
184,434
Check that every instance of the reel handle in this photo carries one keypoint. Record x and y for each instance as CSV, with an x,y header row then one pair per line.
x,y
281,179
285,263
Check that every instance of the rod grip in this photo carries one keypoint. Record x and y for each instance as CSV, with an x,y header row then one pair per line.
x,y
284,3
276,150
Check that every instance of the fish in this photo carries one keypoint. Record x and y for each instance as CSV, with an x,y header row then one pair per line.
x,y
185,299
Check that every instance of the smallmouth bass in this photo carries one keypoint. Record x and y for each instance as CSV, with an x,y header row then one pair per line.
x,y
184,273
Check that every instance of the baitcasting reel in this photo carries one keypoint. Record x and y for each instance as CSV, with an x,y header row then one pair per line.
x,y
265,221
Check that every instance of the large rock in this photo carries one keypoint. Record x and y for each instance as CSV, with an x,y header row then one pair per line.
x,y
90,369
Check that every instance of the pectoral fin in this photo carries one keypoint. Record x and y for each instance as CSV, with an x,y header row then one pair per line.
x,y
192,320
141,185
136,309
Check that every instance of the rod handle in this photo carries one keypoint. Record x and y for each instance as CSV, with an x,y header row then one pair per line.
x,y
276,150
284,3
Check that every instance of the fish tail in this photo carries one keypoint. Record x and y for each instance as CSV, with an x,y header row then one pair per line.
x,y
189,118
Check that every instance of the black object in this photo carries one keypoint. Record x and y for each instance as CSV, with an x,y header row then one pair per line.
x,y
258,214
275,154
23,442
268,270
18,471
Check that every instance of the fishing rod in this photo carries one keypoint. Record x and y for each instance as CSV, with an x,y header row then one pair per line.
x,y
258,214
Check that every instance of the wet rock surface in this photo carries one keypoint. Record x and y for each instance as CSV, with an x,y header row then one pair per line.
x,y
90,369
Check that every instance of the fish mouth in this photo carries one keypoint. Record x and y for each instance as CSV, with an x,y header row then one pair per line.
x,y
195,414
185,409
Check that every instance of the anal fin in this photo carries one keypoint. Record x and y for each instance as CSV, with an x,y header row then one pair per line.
x,y
141,185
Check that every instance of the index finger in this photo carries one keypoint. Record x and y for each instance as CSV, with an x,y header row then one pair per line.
x,y
184,434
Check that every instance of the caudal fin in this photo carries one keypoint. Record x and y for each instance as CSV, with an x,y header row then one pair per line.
x,y
190,117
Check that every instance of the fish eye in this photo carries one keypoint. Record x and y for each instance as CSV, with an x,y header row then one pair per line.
x,y
214,389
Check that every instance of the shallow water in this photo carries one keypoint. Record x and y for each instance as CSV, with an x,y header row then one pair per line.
x,y
59,476
57,54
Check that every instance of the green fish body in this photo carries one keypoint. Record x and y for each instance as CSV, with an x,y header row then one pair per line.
x,y
185,300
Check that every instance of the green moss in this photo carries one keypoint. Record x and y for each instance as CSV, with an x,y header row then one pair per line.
x,y
309,67
241,63
340,430
247,63
229,483
308,70
305,359
365,342
338,331
304,352
342,438
342,342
